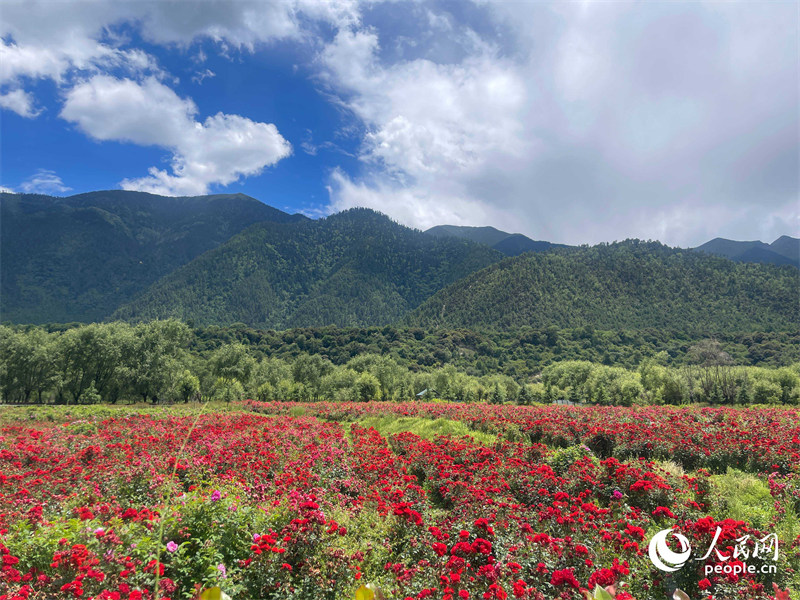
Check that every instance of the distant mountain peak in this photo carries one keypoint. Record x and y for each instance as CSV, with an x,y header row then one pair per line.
x,y
783,251
510,244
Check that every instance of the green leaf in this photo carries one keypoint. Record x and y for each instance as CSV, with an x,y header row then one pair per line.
x,y
601,594
214,594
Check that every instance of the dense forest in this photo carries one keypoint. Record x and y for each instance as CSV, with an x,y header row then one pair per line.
x,y
79,258
168,361
226,259
519,354
354,268
625,285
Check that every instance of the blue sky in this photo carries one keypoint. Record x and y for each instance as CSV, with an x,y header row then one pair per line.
x,y
571,122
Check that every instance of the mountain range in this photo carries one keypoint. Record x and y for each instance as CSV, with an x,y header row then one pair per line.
x,y
356,267
510,244
624,285
227,259
78,258
783,251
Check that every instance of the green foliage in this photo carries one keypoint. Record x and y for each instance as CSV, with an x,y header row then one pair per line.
x,y
426,428
367,387
626,285
87,364
561,459
232,362
354,268
95,251
744,497
187,386
165,361
228,390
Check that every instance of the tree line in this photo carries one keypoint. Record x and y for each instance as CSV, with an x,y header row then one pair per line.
x,y
167,361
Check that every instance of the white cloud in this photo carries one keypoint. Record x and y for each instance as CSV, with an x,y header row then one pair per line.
x,y
71,47
44,181
147,113
432,130
241,24
413,205
576,122
20,102
580,123
51,39
217,151
6,190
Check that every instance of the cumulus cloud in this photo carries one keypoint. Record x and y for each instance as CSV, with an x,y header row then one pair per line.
x,y
574,122
218,150
113,91
53,40
46,39
20,102
581,122
44,181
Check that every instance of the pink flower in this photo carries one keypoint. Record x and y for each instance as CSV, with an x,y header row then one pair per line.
x,y
216,496
172,546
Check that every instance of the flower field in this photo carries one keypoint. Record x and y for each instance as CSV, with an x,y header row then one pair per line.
x,y
281,500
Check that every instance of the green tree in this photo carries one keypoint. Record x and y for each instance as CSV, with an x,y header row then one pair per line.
x,y
498,394
156,359
187,386
233,362
367,387
309,371
27,364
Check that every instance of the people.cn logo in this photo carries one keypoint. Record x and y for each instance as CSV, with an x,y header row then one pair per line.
x,y
665,558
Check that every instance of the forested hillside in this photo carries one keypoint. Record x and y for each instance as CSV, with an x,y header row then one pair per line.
x,y
78,258
626,285
354,268
225,259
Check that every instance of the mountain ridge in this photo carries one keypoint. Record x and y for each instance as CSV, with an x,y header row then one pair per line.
x,y
352,268
229,258
783,251
510,244
76,258
624,285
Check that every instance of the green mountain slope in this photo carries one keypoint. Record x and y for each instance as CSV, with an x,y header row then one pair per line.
x,y
354,268
510,244
78,258
627,285
482,235
787,246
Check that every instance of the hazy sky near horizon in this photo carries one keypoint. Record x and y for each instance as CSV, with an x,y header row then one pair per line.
x,y
574,122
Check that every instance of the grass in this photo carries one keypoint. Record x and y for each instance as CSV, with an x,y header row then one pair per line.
x,y
744,497
99,412
425,428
